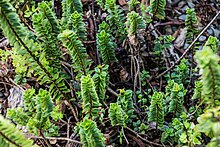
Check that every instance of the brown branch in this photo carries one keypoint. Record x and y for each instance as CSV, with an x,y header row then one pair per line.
x,y
190,46
57,138
150,142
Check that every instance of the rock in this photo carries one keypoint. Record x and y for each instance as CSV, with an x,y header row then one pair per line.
x,y
168,30
179,42
202,38
181,4
216,32
184,8
1,94
190,4
210,31
182,17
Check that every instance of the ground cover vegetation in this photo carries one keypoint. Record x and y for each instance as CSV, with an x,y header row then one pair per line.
x,y
99,73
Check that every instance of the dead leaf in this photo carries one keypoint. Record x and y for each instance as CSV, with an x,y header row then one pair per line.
x,y
179,42
122,2
123,74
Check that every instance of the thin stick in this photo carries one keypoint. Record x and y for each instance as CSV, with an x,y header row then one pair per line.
x,y
190,46
56,138
72,109
122,129
48,144
150,142
112,91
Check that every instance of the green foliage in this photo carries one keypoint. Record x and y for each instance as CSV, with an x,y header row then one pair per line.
x,y
134,23
106,47
69,7
126,102
30,11
208,62
175,93
117,115
209,124
36,112
76,24
90,135
144,13
26,46
177,99
47,28
144,77
104,26
100,79
133,4
181,72
181,131
212,43
101,3
191,24
162,43
157,8
142,98
115,19
198,90
156,110
77,51
11,136
91,105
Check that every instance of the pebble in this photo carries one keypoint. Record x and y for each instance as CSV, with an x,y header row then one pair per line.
x,y
181,4
202,38
190,4
182,17
186,45
210,31
168,30
184,8
1,94
216,32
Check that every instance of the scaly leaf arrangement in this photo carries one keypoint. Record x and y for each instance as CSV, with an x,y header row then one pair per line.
x,y
177,98
134,23
162,43
104,26
76,24
198,90
90,135
24,45
115,19
117,115
208,123
133,4
76,50
181,131
208,62
36,112
212,43
181,72
191,24
101,3
156,110
91,105
157,8
100,79
68,8
126,102
3,142
106,47
11,136
47,28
